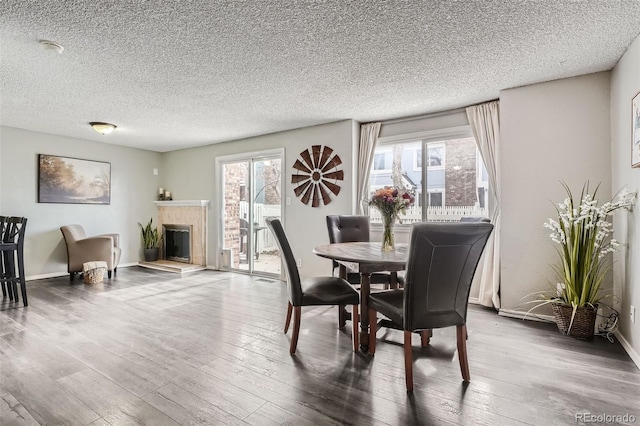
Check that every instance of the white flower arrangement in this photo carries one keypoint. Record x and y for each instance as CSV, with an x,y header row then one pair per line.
x,y
583,233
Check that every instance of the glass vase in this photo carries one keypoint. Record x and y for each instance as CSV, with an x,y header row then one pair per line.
x,y
387,232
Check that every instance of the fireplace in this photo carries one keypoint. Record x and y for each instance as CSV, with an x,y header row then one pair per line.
x,y
188,215
177,242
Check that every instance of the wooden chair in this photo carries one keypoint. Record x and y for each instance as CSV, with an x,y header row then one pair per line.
x,y
442,261
311,291
12,233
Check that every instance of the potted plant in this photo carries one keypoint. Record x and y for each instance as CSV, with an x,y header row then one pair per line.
x,y
583,233
151,241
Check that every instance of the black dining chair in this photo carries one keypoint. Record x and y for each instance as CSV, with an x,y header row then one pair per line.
x,y
351,229
475,219
311,291
12,252
442,261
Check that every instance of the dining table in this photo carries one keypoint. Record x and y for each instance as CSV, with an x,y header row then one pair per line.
x,y
365,258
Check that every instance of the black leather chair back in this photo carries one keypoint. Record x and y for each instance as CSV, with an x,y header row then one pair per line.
x,y
293,276
442,261
347,229
475,219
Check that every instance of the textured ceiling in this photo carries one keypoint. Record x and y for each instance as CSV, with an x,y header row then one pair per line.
x,y
175,74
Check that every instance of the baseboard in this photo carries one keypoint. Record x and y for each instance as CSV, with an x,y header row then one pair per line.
x,y
63,274
474,300
45,276
524,315
635,357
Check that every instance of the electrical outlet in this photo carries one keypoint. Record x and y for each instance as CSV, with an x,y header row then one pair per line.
x,y
299,263
632,311
288,201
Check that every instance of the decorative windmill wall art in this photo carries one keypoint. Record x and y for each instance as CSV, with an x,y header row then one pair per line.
x,y
317,175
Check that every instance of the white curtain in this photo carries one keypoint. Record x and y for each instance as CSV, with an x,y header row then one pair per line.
x,y
368,139
485,124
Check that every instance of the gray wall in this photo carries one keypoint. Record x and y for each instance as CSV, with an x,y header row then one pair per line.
x,y
625,84
133,189
550,132
189,174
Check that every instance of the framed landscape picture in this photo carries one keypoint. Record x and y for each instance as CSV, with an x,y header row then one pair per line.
x,y
73,181
635,131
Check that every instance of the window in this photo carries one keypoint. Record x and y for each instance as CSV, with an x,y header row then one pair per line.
x,y
435,199
435,155
417,159
454,183
379,161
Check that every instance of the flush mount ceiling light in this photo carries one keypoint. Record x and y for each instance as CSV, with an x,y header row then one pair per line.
x,y
103,128
51,45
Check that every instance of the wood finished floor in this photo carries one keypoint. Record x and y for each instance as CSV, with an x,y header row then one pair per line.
x,y
154,348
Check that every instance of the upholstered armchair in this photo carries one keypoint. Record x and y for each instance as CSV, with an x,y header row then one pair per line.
x,y
81,249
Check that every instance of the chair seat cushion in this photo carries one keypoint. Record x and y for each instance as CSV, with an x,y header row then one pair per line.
x,y
328,291
389,303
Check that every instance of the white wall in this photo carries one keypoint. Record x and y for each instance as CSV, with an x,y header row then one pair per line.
x,y
133,189
625,84
550,132
189,174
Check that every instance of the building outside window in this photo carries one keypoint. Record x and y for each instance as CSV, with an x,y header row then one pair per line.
x,y
454,183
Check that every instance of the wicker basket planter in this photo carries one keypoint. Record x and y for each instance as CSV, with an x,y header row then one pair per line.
x,y
93,272
583,322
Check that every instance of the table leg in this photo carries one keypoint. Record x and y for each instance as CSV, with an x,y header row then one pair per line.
x,y
365,286
393,280
343,315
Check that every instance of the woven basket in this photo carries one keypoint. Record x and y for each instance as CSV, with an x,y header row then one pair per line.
x,y
94,276
583,323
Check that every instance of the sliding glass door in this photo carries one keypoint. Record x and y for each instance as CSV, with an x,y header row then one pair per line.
x,y
251,189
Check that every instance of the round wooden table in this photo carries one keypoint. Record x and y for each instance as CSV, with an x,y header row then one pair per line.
x,y
365,258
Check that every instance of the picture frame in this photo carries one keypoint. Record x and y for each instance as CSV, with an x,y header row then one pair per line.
x,y
67,180
635,131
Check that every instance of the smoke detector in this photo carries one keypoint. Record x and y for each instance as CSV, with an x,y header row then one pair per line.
x,y
51,45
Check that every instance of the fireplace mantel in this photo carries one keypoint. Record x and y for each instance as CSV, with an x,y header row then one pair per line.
x,y
182,203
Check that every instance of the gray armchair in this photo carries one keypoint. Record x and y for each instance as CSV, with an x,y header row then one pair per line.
x,y
81,249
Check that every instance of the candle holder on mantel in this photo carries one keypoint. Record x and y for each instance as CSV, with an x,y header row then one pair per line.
x,y
164,195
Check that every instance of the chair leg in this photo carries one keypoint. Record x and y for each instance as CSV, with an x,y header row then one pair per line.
x,y
4,289
288,320
10,290
355,322
425,336
408,361
12,285
115,271
296,329
72,276
109,274
373,320
23,287
461,331
342,316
